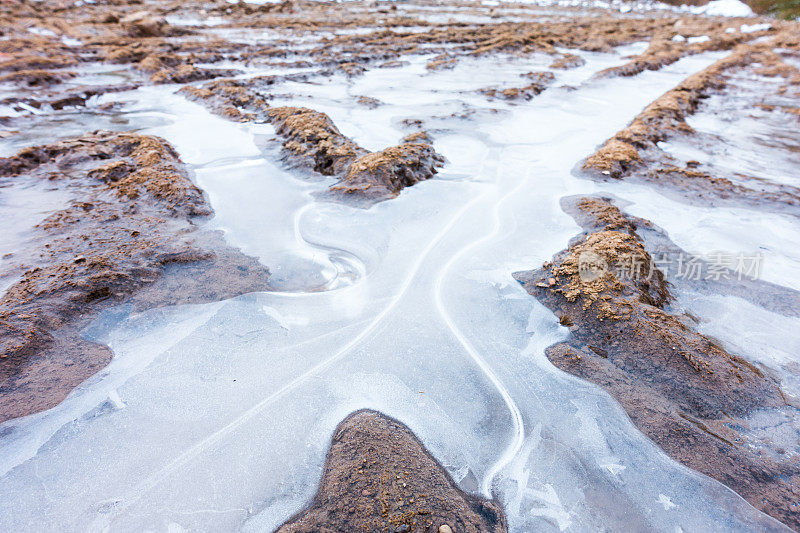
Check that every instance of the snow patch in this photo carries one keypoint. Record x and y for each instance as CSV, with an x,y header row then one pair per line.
x,y
724,8
751,28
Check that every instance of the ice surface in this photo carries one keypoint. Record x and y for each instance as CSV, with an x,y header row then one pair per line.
x,y
704,232
750,28
23,204
218,416
762,337
742,142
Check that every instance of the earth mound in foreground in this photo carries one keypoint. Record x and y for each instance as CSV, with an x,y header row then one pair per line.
x,y
379,477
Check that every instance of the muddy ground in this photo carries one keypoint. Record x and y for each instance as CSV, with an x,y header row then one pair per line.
x,y
682,389
132,232
129,235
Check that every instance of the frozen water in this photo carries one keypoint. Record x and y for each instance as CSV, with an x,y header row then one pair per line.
x,y
739,232
24,204
740,141
760,336
218,416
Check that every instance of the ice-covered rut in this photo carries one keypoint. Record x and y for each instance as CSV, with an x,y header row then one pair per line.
x,y
218,416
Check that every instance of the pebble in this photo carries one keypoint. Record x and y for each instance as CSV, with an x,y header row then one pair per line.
x,y
444,528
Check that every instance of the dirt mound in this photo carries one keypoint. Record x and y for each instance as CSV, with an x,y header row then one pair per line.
x,y
540,82
144,24
379,477
312,138
669,44
679,387
389,171
130,223
171,68
567,61
228,98
666,115
141,164
36,78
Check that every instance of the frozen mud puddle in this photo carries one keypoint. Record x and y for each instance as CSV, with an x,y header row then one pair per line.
x,y
769,242
763,337
218,416
23,205
258,204
769,340
753,145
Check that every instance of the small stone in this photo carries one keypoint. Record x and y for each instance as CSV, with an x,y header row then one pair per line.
x,y
444,528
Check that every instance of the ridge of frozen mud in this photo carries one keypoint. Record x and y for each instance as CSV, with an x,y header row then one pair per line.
x,y
682,389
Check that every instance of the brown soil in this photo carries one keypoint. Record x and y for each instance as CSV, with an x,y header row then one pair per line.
x,y
127,32
680,388
441,62
385,173
143,24
129,236
633,153
36,78
165,70
135,34
379,477
74,97
667,114
368,101
312,139
568,61
662,50
774,298
131,223
229,99
540,82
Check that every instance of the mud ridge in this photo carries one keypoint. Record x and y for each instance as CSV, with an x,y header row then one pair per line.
x,y
130,223
311,140
634,152
680,388
379,477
